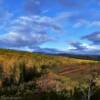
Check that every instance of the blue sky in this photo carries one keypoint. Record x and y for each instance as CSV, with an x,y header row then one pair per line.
x,y
71,26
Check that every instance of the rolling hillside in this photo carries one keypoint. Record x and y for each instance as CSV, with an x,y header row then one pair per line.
x,y
46,77
62,65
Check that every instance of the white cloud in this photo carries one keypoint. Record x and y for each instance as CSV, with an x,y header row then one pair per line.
x,y
86,23
84,48
30,31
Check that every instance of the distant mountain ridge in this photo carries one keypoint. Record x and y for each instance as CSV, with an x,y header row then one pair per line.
x,y
78,56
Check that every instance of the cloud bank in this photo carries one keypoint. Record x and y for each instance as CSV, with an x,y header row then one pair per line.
x,y
92,48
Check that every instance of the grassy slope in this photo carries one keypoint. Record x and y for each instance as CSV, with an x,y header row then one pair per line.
x,y
72,67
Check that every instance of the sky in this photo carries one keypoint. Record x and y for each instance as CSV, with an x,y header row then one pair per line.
x,y
51,26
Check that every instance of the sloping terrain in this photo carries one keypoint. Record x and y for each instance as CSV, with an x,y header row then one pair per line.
x,y
59,64
34,75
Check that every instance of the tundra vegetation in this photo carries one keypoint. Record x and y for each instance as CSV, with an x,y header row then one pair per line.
x,y
25,76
